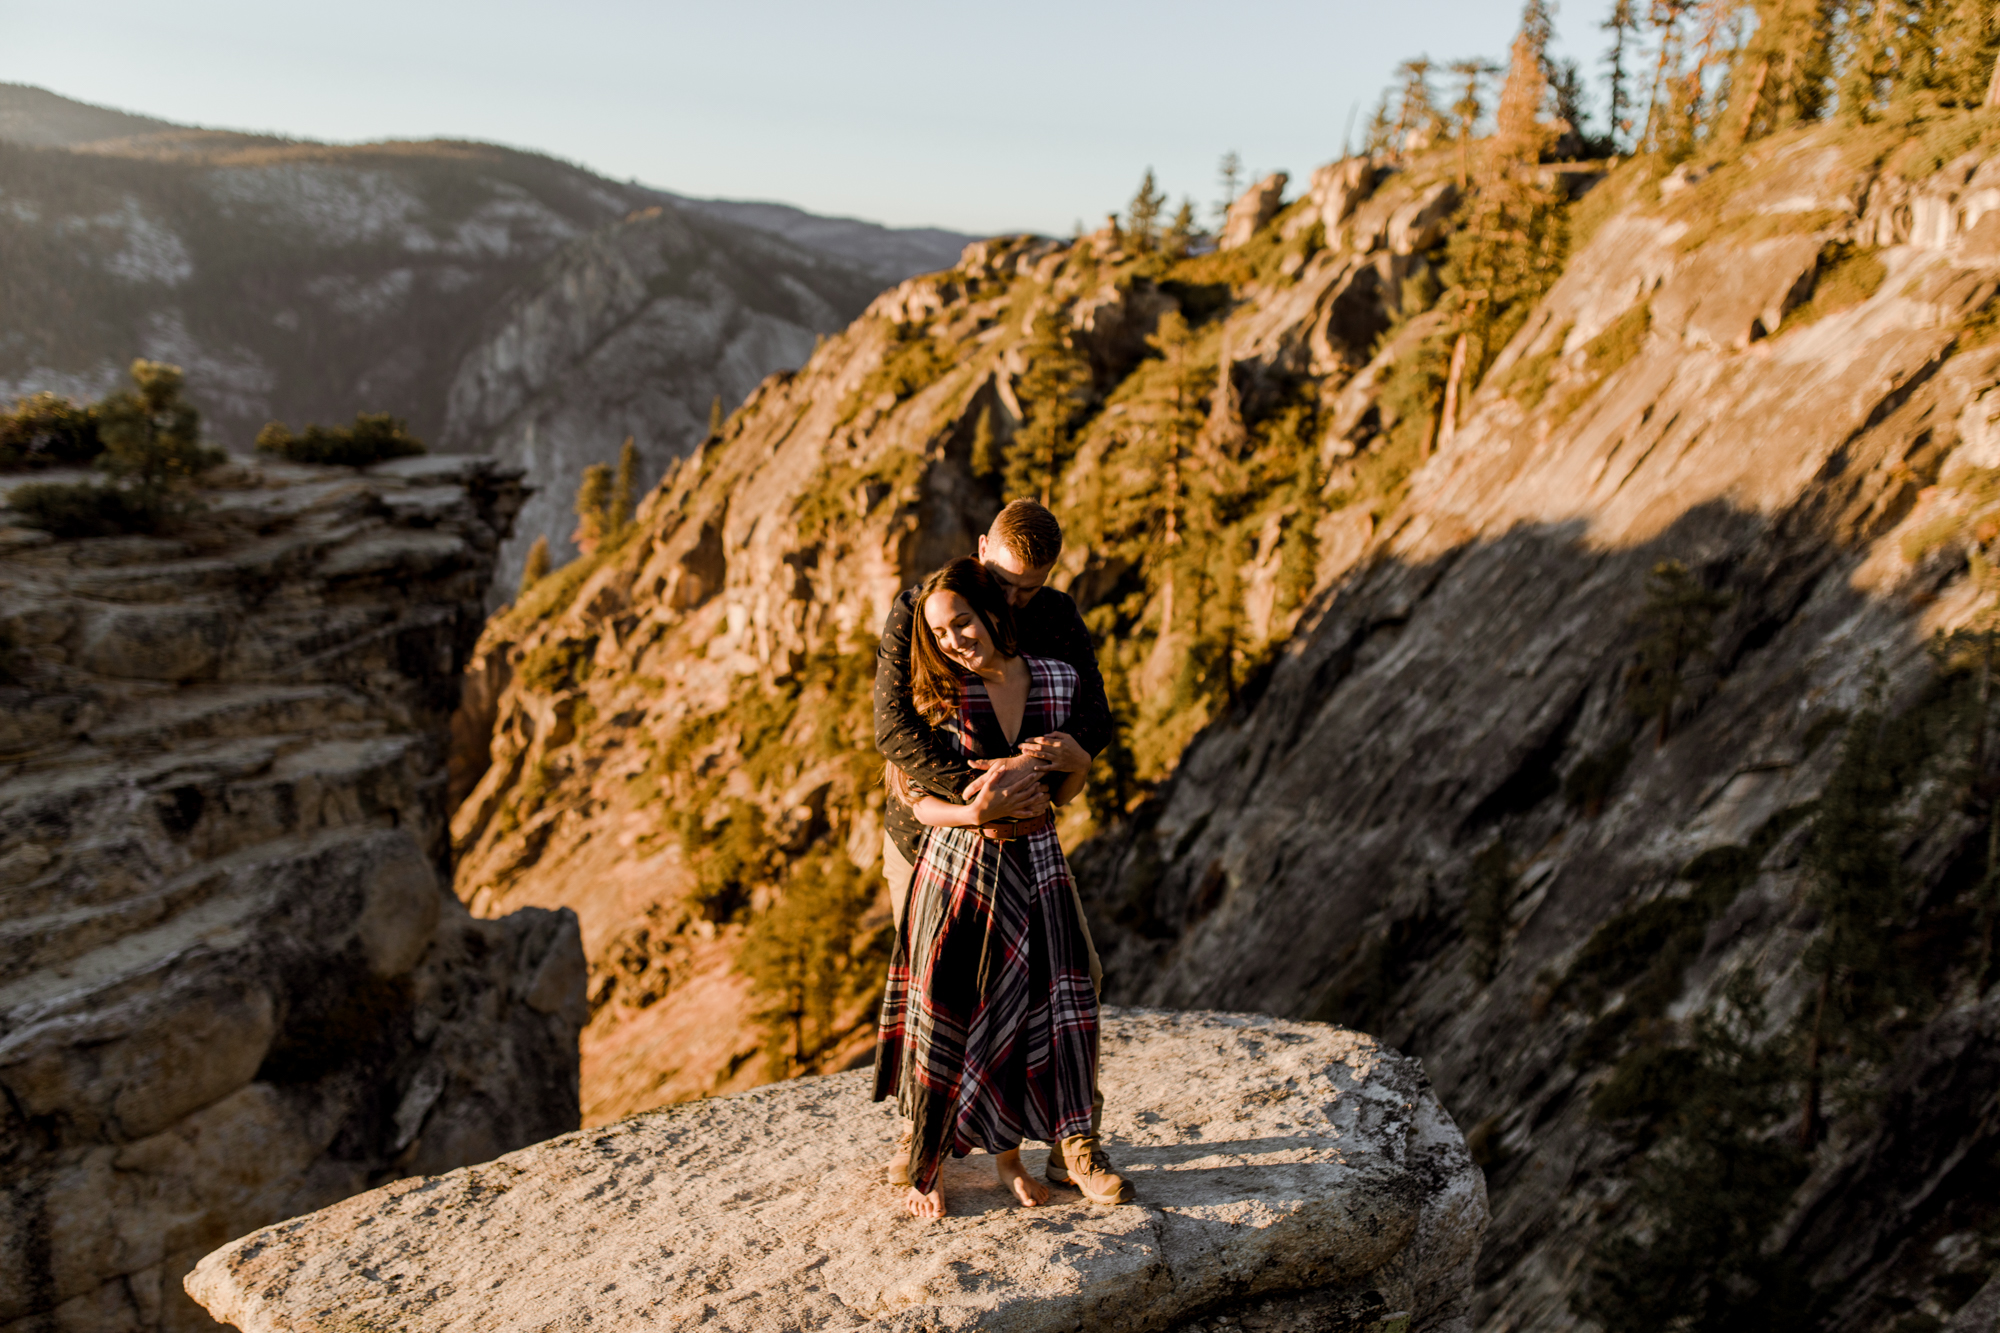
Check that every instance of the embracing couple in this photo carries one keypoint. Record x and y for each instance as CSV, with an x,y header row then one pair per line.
x,y
989,708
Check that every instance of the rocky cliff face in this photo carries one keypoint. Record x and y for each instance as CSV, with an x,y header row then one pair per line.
x,y
1422,730
234,985
635,331
1413,822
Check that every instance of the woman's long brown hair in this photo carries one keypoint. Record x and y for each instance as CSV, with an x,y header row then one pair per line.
x,y
934,687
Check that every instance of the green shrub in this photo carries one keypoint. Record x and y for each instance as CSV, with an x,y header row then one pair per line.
x,y
1678,620
1486,901
1848,275
730,857
910,362
556,666
809,960
70,510
1710,1191
374,437
1527,380
536,567
148,436
44,430
151,433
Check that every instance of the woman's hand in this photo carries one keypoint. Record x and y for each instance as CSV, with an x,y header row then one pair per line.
x,y
1059,752
1011,803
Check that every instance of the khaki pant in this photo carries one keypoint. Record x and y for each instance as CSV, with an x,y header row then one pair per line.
x,y
896,868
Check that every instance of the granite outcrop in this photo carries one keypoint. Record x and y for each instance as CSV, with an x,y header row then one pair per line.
x,y
1271,1159
234,984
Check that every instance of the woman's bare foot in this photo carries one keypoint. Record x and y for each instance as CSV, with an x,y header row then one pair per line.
x,y
927,1206
1016,1178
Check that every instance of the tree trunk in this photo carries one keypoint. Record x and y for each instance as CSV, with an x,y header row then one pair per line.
x,y
1448,425
1750,102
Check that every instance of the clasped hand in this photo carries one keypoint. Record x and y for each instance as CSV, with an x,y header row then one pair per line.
x,y
1011,788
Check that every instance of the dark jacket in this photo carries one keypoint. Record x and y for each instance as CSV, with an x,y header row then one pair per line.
x,y
1048,626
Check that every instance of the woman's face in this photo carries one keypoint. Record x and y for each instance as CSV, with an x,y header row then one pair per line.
x,y
960,633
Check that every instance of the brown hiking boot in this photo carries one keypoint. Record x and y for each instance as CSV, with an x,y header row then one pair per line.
x,y
899,1165
1080,1162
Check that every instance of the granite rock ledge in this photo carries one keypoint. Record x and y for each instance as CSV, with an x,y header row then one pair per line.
x,y
1271,1158
234,984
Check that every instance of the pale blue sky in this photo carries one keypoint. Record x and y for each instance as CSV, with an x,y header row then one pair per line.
x,y
984,118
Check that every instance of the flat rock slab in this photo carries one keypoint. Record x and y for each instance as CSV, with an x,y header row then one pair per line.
x,y
1268,1157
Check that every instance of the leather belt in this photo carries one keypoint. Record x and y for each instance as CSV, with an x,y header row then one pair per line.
x,y
1006,830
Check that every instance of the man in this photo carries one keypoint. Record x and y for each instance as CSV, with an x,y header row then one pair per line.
x,y
1020,550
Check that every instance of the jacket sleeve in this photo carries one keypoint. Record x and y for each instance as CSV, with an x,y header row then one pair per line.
x,y
901,734
1090,715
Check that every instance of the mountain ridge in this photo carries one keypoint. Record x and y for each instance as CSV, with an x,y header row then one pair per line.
x,y
306,282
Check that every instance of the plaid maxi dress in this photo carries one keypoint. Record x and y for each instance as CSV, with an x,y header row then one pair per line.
x,y
988,1032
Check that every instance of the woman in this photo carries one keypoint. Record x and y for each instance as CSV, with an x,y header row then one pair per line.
x,y
989,1024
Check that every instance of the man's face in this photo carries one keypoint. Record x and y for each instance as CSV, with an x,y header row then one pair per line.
x,y
1021,582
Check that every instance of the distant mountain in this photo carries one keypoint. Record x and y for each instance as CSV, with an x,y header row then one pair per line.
x,y
40,118
898,253
500,301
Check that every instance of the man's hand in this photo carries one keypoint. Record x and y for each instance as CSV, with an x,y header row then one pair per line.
x,y
1058,752
1013,803
1016,771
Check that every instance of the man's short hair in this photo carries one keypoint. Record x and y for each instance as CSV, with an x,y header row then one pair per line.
x,y
1029,531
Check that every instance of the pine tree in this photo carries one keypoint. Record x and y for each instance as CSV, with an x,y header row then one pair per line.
x,y
1181,233
1142,216
1538,29
1053,392
986,451
1230,176
1180,425
1381,132
1418,121
806,960
536,567
1784,73
1566,84
593,502
1623,26
1679,622
151,433
1511,248
618,512
1856,877
1664,16
1466,111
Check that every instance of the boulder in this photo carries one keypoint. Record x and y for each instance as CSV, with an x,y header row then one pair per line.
x,y
1420,224
1270,1158
1730,297
1337,188
1257,206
